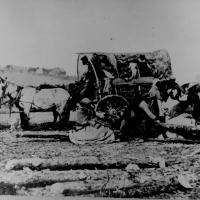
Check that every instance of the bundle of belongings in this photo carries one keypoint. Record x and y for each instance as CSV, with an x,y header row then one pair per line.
x,y
90,130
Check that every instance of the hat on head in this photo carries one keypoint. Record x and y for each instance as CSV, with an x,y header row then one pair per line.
x,y
85,102
142,57
172,77
85,111
84,58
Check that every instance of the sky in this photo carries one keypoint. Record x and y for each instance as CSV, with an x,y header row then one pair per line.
x,y
48,33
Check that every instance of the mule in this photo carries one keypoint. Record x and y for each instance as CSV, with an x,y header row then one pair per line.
x,y
29,98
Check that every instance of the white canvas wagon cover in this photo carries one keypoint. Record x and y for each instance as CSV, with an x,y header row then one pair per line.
x,y
117,63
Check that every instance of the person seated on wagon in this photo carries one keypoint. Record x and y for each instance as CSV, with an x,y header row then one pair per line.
x,y
134,72
101,73
87,86
88,74
139,68
88,80
143,67
83,87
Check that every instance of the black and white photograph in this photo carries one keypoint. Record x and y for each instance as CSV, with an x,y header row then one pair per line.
x,y
100,99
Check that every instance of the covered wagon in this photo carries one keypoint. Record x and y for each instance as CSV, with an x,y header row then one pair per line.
x,y
115,83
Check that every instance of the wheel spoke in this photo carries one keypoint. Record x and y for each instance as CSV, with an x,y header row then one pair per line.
x,y
113,107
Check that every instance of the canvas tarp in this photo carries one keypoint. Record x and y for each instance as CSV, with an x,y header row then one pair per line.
x,y
117,63
159,62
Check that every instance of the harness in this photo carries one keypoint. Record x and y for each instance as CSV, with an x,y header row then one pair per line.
x,y
12,100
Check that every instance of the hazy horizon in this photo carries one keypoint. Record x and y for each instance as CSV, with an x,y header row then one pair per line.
x,y
48,33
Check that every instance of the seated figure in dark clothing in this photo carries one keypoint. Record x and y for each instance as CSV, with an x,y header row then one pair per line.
x,y
89,84
145,110
138,117
83,88
144,67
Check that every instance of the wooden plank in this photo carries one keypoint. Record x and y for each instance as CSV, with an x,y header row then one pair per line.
x,y
81,162
118,183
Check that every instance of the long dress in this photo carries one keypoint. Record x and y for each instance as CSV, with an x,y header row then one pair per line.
x,y
92,134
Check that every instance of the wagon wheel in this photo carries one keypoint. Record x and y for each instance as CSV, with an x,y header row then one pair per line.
x,y
111,109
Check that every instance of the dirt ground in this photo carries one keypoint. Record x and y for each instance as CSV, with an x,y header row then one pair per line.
x,y
163,165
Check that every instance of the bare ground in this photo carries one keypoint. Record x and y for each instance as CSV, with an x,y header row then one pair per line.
x,y
109,178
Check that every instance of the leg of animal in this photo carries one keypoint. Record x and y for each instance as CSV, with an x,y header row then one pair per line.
x,y
66,113
61,113
24,120
59,100
14,124
194,99
55,116
24,114
23,117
